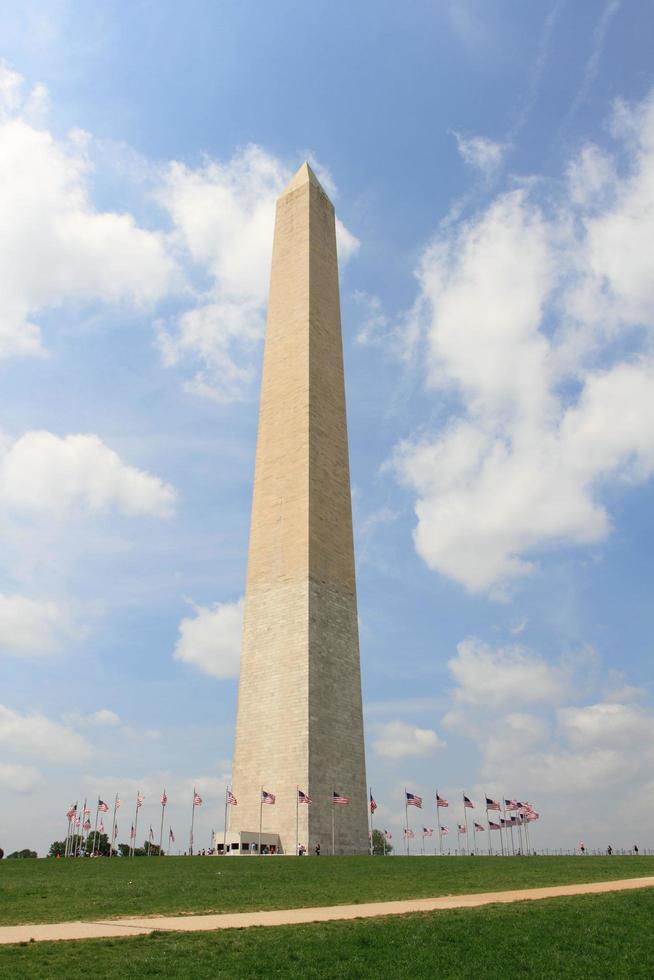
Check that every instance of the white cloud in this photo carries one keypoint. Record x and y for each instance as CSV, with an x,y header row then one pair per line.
x,y
41,472
224,215
607,725
19,779
33,627
480,152
105,717
521,306
56,247
537,740
398,740
503,677
211,640
34,734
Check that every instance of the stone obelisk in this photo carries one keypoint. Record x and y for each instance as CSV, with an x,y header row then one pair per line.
x,y
299,721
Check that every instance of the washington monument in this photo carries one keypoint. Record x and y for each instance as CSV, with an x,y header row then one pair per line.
x,y
299,721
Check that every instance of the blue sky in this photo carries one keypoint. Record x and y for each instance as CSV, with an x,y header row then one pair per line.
x,y
492,167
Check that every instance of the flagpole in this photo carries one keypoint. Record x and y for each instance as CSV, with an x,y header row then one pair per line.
x,y
163,807
297,819
136,821
260,816
113,827
440,835
85,839
225,824
501,828
406,823
507,824
488,830
465,820
370,817
333,822
68,836
190,843
95,829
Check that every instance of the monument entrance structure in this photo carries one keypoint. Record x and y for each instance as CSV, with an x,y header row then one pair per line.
x,y
299,726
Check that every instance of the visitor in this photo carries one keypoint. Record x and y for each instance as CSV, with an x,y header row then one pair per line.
x,y
317,850
635,848
582,847
609,850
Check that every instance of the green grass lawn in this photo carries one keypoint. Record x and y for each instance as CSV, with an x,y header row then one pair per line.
x,y
587,937
51,891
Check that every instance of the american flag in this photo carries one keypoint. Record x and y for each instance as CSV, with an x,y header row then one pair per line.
x,y
164,799
304,798
85,810
267,797
132,833
532,815
413,800
102,806
231,799
492,804
339,800
444,831
87,824
493,826
71,813
373,805
427,832
119,803
408,832
101,827
467,803
511,805
197,799
171,835
388,835
478,826
461,828
440,801
139,800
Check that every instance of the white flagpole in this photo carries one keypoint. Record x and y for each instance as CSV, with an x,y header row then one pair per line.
x,y
190,844
84,839
95,829
297,820
333,822
163,807
440,836
406,811
510,829
260,817
136,821
488,830
465,820
370,817
113,827
225,824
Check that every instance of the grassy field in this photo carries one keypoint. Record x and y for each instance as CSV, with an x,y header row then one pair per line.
x,y
51,891
587,937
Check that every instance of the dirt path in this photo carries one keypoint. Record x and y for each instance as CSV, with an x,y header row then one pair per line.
x,y
144,925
